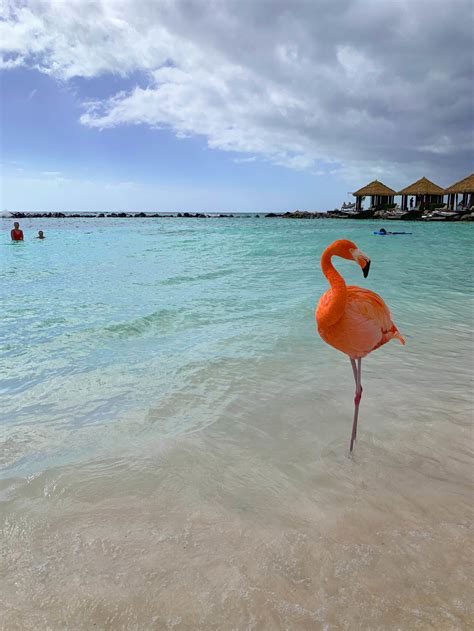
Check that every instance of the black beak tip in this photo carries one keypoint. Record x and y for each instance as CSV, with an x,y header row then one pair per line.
x,y
365,271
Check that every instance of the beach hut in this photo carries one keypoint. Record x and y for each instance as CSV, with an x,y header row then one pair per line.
x,y
465,188
379,194
424,191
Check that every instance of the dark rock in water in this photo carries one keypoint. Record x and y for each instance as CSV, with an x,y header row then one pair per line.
x,y
140,215
271,215
412,214
300,214
101,215
257,216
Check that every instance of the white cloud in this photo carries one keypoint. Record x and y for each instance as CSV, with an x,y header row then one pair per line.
x,y
343,86
10,63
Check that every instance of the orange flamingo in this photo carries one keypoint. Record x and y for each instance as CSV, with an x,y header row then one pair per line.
x,y
354,320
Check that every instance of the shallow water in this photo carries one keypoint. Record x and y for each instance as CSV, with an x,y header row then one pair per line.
x,y
174,433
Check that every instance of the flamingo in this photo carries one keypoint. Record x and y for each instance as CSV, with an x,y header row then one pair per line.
x,y
353,320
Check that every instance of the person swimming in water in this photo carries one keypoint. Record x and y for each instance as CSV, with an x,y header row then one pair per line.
x,y
382,231
16,234
40,235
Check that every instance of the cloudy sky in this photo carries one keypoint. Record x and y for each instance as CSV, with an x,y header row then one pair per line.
x,y
223,105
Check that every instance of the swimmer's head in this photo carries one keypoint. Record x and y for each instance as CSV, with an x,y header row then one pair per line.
x,y
16,225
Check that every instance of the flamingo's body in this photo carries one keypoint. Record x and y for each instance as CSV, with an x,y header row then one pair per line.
x,y
365,323
353,320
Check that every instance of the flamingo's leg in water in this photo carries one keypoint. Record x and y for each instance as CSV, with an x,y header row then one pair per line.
x,y
357,370
354,369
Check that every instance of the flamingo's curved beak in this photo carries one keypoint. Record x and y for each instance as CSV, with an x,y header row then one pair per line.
x,y
365,269
362,260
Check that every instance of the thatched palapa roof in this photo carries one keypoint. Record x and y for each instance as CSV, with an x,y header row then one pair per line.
x,y
422,187
463,186
374,188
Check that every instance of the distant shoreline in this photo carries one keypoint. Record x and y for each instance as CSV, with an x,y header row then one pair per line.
x,y
297,214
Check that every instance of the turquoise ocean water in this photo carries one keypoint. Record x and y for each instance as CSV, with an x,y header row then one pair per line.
x,y
163,378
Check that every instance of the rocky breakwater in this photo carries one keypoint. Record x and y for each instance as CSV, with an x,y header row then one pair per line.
x,y
112,215
83,215
300,214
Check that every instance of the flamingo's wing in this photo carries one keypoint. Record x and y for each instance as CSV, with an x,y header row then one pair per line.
x,y
369,306
369,319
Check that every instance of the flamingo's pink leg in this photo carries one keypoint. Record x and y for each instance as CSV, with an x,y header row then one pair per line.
x,y
357,370
354,369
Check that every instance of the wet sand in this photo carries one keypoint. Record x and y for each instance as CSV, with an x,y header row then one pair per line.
x,y
247,526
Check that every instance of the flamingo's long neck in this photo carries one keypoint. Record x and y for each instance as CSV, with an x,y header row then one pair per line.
x,y
335,309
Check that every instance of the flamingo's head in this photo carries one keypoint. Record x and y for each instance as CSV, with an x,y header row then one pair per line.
x,y
348,250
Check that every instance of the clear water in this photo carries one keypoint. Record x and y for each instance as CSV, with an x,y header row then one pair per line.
x,y
174,433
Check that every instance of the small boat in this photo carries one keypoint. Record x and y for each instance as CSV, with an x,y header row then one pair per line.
x,y
433,218
445,213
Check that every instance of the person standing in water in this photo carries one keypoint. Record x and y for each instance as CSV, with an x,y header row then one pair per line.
x,y
40,235
16,234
